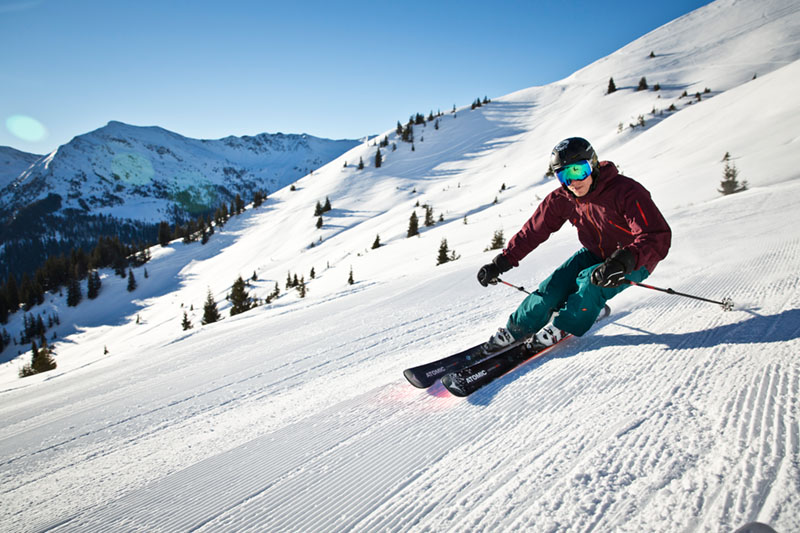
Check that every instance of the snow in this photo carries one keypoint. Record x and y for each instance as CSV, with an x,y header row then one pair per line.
x,y
671,415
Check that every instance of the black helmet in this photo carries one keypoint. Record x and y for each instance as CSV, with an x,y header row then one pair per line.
x,y
571,151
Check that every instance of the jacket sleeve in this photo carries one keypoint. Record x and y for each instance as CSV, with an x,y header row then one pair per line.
x,y
547,219
652,234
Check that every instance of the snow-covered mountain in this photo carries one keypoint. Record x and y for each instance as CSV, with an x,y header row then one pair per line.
x,y
144,173
294,416
13,163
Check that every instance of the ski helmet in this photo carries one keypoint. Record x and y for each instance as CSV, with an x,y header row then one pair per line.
x,y
570,151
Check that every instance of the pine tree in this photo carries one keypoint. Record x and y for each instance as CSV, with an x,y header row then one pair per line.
x,y
612,87
730,182
327,207
164,234
498,241
318,209
360,163
413,225
94,285
74,295
642,84
378,159
42,359
350,279
377,242
319,223
186,324
445,254
429,216
240,299
210,312
301,287
131,281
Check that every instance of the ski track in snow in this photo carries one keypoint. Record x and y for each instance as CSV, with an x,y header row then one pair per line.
x,y
615,431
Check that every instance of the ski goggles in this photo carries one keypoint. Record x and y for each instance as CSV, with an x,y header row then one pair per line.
x,y
575,172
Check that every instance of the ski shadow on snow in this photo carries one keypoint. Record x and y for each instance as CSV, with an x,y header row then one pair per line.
x,y
758,329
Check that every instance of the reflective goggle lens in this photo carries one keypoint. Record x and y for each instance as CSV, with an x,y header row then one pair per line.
x,y
575,172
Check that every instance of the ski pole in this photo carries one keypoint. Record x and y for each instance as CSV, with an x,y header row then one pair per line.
x,y
726,303
522,289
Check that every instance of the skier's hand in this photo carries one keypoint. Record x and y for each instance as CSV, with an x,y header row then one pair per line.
x,y
488,274
613,271
491,271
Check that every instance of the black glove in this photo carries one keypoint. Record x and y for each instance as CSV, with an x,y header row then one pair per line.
x,y
613,271
490,272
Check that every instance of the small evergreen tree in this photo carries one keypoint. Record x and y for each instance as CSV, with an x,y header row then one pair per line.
x,y
498,241
377,242
186,324
164,234
319,223
131,281
730,182
413,225
318,209
301,287
360,163
240,299
210,312
327,207
612,87
74,295
429,216
41,360
642,84
274,294
378,159
445,254
350,279
94,285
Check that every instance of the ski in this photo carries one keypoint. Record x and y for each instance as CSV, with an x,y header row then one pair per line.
x,y
467,380
423,376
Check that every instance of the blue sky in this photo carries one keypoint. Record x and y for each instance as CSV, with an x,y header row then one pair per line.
x,y
208,69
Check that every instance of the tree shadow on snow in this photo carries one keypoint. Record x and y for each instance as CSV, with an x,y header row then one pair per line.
x,y
758,329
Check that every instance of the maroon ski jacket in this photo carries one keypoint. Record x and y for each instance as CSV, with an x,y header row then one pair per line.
x,y
617,213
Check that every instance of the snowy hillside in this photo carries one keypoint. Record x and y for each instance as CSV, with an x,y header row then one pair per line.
x,y
294,416
13,163
140,173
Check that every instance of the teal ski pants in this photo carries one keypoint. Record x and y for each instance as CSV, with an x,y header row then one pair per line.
x,y
570,292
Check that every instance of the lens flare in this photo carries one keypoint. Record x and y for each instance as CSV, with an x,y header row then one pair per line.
x,y
26,128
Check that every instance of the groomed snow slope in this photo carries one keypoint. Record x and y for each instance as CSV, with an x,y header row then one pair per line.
x,y
671,415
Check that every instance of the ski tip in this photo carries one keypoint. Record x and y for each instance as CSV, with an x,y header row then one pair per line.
x,y
453,387
412,378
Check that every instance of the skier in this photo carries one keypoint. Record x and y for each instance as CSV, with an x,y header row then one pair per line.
x,y
624,237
